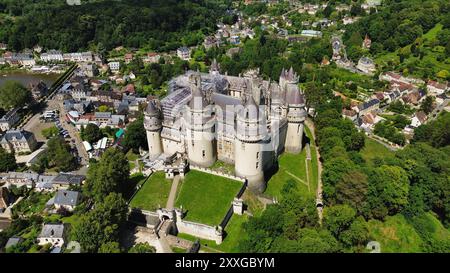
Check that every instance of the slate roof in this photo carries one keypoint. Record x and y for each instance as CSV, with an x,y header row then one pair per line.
x,y
13,241
52,231
68,198
69,179
19,135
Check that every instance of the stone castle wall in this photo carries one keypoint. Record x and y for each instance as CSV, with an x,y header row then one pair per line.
x,y
218,173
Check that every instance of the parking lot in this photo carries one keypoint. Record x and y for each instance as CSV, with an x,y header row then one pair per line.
x,y
54,115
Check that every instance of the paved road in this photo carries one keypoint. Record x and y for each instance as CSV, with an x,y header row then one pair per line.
x,y
390,147
173,192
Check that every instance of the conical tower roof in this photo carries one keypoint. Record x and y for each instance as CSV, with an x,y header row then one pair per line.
x,y
251,110
198,100
152,109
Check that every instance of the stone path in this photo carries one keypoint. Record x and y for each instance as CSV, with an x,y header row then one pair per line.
x,y
319,199
173,192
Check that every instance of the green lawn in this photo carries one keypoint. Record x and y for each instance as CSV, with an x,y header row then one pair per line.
x,y
178,250
234,234
313,167
153,194
34,203
206,197
293,167
395,235
372,149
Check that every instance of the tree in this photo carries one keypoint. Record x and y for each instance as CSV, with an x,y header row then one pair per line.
x,y
50,132
109,247
136,136
388,191
427,104
313,241
142,248
99,228
13,94
352,189
338,218
7,161
357,234
91,133
58,154
110,174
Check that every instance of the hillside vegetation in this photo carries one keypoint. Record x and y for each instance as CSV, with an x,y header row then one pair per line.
x,y
102,25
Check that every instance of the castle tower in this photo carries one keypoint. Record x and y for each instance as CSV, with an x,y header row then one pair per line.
x,y
153,125
200,128
296,116
249,143
287,77
214,69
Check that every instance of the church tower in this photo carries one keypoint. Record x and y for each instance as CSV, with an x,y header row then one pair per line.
x,y
249,143
200,127
153,125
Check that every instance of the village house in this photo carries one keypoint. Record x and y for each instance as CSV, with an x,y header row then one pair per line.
x,y
413,97
10,119
151,58
78,57
79,92
65,180
38,89
53,234
366,66
128,58
52,56
367,107
19,179
368,121
210,42
89,69
114,66
349,20
18,141
235,39
418,119
436,88
311,33
350,114
184,53
67,200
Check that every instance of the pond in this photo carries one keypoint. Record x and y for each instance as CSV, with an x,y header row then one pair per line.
x,y
27,78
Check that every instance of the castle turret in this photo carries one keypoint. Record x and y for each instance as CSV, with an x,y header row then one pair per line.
x,y
288,77
200,128
296,116
153,125
249,143
214,69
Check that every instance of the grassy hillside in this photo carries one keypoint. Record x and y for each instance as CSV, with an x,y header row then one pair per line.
x,y
398,234
427,60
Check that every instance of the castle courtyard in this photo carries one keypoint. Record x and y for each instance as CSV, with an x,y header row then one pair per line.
x,y
206,197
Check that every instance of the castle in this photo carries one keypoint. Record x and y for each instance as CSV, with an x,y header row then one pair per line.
x,y
245,121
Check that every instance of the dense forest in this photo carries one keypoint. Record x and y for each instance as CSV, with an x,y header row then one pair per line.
x,y
412,184
157,24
